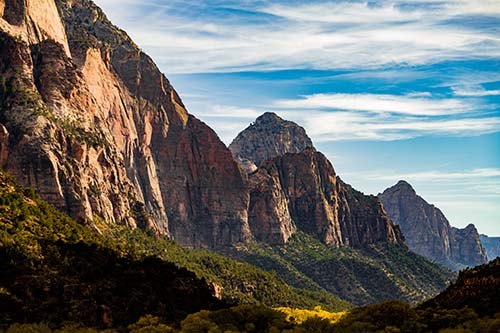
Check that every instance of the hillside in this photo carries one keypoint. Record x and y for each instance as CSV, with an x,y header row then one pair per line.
x,y
56,270
361,276
477,288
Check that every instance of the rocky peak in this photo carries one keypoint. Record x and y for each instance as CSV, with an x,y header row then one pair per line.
x,y
428,232
269,136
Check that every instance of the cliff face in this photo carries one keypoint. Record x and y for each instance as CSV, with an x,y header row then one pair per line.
x,y
88,120
428,232
318,203
491,245
269,136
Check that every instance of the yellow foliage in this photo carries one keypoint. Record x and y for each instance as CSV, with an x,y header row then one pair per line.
x,y
300,315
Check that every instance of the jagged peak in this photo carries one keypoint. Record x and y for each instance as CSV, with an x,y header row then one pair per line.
x,y
401,185
267,137
269,117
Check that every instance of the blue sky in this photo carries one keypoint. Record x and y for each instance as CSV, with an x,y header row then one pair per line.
x,y
388,90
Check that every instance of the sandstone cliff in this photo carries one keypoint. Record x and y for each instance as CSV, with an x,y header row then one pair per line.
x,y
301,191
89,121
269,136
428,232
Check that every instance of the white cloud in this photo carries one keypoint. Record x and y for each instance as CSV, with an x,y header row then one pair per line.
x,y
322,35
474,92
334,126
436,175
409,104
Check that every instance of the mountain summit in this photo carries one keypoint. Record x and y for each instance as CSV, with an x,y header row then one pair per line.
x,y
269,136
428,232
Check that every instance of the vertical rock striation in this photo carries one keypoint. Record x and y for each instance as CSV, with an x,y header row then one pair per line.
x,y
318,203
428,232
89,121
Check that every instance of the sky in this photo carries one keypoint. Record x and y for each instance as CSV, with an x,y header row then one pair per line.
x,y
387,89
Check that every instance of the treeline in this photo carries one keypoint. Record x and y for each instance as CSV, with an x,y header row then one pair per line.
x,y
391,316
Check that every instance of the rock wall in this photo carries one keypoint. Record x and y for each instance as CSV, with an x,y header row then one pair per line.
x,y
90,122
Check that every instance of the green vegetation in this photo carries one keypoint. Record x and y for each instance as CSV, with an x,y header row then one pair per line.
x,y
477,288
392,316
367,275
55,270
240,282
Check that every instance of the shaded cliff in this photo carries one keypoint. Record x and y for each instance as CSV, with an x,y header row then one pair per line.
x,y
88,120
428,232
269,136
491,245
317,203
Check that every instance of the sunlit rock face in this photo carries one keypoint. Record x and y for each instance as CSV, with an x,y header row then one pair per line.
x,y
89,121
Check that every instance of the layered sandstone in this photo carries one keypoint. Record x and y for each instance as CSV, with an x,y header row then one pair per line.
x,y
90,122
317,202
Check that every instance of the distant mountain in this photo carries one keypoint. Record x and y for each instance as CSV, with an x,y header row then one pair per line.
x,y
491,245
428,232
269,136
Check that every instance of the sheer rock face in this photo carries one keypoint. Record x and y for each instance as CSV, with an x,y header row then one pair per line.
x,y
317,202
269,136
88,120
491,245
428,232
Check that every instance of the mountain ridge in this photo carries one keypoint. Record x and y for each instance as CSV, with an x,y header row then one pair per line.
x,y
427,230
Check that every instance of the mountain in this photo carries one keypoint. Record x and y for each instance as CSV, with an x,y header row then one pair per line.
x,y
428,232
301,191
491,245
311,227
269,136
88,120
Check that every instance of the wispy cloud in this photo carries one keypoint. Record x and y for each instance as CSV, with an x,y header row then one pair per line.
x,y
413,104
436,175
232,36
474,92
